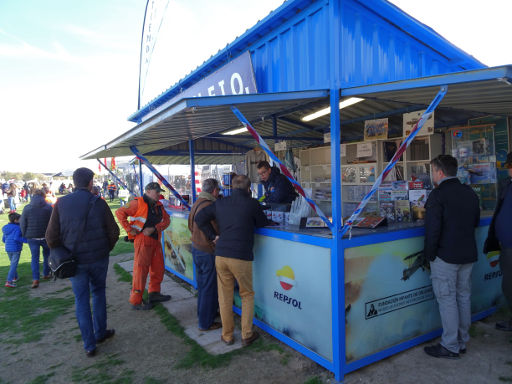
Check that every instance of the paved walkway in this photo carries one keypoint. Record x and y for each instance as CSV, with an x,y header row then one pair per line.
x,y
183,306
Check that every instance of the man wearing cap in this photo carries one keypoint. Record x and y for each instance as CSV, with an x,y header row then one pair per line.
x,y
148,219
500,239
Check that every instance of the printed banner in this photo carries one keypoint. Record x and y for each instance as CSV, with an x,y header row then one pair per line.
x,y
376,129
234,78
178,247
389,298
292,291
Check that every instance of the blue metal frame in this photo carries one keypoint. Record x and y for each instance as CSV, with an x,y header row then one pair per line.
x,y
503,72
352,366
159,176
408,233
141,179
116,178
324,242
290,342
192,171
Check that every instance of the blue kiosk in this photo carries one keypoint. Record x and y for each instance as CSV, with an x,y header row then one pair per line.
x,y
344,301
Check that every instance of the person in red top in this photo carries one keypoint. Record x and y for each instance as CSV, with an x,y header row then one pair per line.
x,y
148,219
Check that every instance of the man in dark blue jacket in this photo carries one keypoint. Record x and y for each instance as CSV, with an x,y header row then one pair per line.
x,y
91,246
237,216
452,214
34,221
500,239
278,189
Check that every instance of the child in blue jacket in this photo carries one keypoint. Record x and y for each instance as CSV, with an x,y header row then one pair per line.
x,y
13,245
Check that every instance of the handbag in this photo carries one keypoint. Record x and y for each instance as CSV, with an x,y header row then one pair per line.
x,y
62,261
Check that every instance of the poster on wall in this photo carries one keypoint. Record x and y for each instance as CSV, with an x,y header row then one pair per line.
x,y
178,247
389,296
410,120
292,291
376,129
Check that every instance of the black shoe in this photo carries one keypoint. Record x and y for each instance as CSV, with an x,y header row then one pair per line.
x,y
440,351
91,353
227,342
142,306
108,334
463,350
250,340
504,325
157,297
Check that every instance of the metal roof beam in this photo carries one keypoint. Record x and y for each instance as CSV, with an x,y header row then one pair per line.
x,y
164,152
412,108
245,137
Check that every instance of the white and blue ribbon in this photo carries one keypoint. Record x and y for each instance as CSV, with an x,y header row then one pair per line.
x,y
426,115
282,167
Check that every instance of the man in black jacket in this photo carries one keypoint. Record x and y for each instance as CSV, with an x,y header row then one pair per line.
x,y
452,214
33,223
237,216
278,189
500,239
91,246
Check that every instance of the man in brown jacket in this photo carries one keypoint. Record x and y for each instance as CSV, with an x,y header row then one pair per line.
x,y
203,252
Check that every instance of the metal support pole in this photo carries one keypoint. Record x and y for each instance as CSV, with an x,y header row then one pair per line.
x,y
192,170
155,172
141,181
116,178
337,251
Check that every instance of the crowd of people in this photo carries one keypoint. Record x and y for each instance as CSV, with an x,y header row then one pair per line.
x,y
222,236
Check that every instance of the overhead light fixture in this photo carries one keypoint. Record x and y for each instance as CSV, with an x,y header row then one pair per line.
x,y
343,104
235,131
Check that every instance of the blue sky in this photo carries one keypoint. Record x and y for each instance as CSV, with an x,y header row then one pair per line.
x,y
69,68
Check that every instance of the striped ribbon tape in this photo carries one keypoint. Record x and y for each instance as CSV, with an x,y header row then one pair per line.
x,y
282,167
426,115
159,176
115,177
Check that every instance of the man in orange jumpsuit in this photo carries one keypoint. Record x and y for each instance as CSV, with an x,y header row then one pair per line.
x,y
144,219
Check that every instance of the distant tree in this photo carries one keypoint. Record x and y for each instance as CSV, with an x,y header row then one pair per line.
x,y
10,175
28,176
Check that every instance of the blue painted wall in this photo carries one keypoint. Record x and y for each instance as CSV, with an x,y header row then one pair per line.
x,y
374,48
290,49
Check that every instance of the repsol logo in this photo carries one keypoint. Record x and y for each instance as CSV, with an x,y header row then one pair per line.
x,y
288,300
492,275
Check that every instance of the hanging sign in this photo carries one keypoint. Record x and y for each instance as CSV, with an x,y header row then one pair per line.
x,y
234,78
411,119
280,146
376,129
364,150
327,137
343,150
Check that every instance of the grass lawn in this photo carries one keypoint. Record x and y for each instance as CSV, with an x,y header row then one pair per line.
x,y
26,323
24,270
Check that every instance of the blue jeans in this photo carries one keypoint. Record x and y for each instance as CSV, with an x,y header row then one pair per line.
x,y
12,204
14,258
90,279
35,246
207,296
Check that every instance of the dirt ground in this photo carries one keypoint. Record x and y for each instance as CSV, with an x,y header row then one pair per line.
x,y
145,351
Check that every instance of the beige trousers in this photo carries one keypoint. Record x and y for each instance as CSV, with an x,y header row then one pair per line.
x,y
229,269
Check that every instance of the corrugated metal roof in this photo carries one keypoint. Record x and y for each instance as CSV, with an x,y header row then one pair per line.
x,y
486,91
190,119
